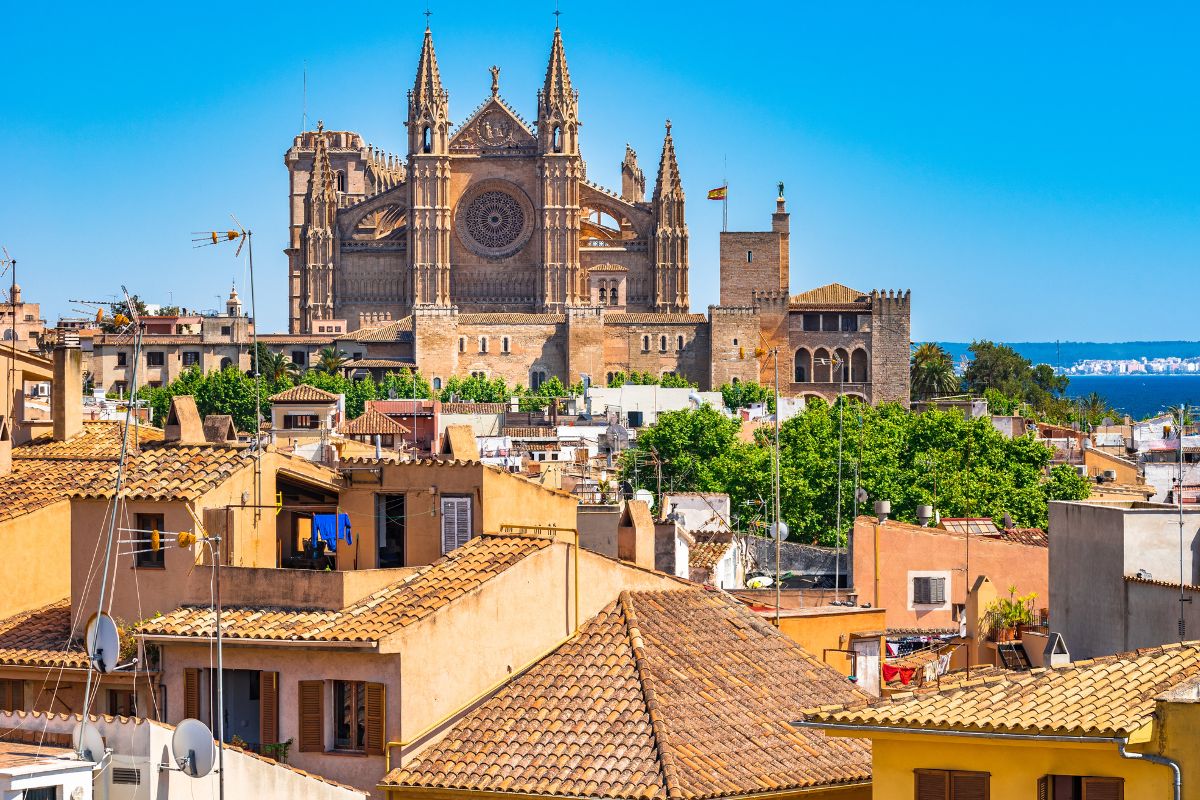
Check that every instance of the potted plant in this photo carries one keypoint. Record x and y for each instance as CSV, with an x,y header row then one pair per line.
x,y
1007,617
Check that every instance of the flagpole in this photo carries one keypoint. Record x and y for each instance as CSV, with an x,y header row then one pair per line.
x,y
725,198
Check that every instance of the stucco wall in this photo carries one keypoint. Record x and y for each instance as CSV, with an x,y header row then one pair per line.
x,y
36,568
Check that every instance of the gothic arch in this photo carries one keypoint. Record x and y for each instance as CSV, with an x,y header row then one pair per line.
x,y
841,370
859,372
350,217
389,222
822,371
802,366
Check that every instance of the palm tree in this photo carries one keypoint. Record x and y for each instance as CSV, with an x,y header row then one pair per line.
x,y
276,366
932,372
330,360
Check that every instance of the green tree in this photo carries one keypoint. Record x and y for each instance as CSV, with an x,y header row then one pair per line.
x,y
744,394
932,372
475,389
274,366
330,360
405,384
119,315
673,381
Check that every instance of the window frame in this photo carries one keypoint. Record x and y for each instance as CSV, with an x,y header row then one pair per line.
x,y
143,558
933,593
122,358
356,725
948,777
190,358
452,501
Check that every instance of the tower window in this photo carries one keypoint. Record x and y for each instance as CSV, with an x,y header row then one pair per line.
x,y
437,383
426,140
735,344
504,344
679,343
557,138
483,344
603,295
662,343
645,344
462,344
341,181
749,256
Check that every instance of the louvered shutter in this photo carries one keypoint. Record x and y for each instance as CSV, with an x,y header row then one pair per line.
x,y
1043,792
937,590
1103,789
312,716
932,784
268,707
191,693
456,522
17,695
969,785
376,727
920,591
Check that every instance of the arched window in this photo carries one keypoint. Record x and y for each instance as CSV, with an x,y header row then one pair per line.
x,y
645,344
662,344
557,138
226,363
679,343
480,375
802,369
341,181
437,383
504,344
736,381
427,140
536,378
483,344
841,371
822,370
858,366
603,294
608,378
612,296
462,344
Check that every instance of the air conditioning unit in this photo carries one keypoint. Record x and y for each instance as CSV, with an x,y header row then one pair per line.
x,y
43,390
1082,470
1109,475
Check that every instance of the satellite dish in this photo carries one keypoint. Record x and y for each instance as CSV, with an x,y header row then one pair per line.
x,y
193,747
860,494
645,495
779,530
103,642
87,741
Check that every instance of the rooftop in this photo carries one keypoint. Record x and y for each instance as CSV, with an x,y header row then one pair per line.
x,y
680,694
40,638
830,293
1103,697
303,394
99,440
372,422
370,619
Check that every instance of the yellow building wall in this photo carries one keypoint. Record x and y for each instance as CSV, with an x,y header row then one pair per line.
x,y
831,631
36,568
1014,766
1179,739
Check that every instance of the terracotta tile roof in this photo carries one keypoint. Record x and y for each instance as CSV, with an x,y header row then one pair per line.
x,y
99,440
378,363
41,638
169,473
707,553
35,484
303,394
402,407
1166,584
676,694
516,432
1102,697
654,319
830,293
474,408
1031,537
14,755
372,618
387,332
372,422
508,318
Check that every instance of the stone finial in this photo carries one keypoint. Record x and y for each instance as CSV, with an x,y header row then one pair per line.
x,y
495,79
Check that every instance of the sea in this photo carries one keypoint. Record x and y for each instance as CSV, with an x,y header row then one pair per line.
x,y
1139,396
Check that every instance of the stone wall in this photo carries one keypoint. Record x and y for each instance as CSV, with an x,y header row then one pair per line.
x,y
765,271
891,341
733,340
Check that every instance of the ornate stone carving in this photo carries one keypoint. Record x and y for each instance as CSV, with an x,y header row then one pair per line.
x,y
493,129
495,219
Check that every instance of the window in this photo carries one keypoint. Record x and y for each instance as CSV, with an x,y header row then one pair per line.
x,y
29,317
12,695
645,344
662,344
389,509
122,359
536,379
456,522
735,344
437,383
1079,787
612,296
148,541
190,358
557,139
812,322
426,140
300,421
929,591
943,784
356,356
226,363
226,330
849,322
504,345
829,322
480,375
349,715
299,357
41,793
603,294
483,344
749,256
462,344
803,366
679,343
341,181
121,703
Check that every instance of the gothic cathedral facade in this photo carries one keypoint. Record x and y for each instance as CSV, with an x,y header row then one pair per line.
x,y
486,249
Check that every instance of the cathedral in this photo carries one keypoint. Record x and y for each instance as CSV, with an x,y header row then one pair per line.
x,y
485,249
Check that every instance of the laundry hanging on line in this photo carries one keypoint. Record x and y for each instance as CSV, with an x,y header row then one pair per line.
x,y
329,528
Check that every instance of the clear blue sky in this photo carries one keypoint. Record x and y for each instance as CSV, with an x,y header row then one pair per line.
x,y
1030,173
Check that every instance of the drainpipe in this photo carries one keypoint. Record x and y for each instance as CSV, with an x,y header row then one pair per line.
x,y
1177,788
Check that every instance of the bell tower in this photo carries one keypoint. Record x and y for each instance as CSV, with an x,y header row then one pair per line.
x,y
560,169
429,182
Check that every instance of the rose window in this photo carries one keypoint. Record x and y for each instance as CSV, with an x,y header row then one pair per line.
x,y
495,220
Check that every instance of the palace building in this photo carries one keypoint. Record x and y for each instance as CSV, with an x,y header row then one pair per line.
x,y
486,249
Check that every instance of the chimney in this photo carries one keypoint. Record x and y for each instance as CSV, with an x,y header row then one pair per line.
x,y
183,424
5,447
67,393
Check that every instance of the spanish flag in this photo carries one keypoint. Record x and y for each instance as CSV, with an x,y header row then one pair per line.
x,y
719,193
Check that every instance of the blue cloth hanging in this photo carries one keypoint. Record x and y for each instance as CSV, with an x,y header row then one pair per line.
x,y
331,527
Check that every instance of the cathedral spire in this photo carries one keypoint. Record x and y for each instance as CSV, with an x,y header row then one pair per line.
x,y
428,104
322,187
558,104
669,185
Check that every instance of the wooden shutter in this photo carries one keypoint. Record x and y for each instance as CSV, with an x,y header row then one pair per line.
x,y
17,695
970,785
268,707
937,590
1043,790
456,522
191,693
376,727
1103,789
932,784
312,716
920,591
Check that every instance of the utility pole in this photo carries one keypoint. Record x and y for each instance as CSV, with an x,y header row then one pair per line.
x,y
779,527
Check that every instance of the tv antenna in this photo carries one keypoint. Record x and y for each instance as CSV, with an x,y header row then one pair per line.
x,y
8,264
245,237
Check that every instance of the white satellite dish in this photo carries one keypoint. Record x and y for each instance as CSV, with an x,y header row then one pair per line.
x,y
193,747
87,741
103,642
779,530
645,495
